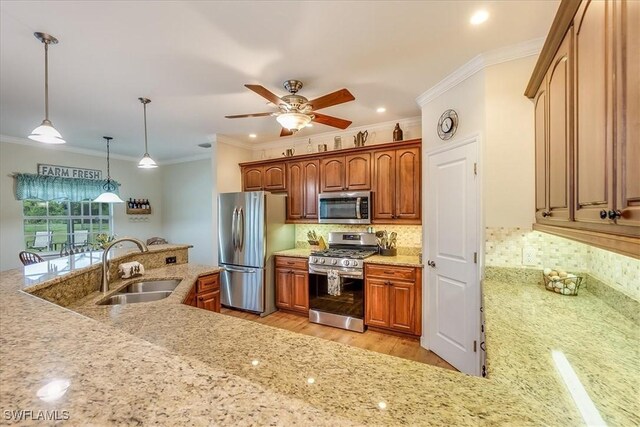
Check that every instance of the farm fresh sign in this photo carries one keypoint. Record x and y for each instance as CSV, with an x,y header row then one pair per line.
x,y
68,172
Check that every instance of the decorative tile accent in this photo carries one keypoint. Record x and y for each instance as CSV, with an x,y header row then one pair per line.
x,y
504,248
409,236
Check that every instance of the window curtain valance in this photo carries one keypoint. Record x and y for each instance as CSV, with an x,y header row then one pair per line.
x,y
42,187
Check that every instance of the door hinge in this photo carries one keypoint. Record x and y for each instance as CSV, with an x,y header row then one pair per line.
x,y
475,345
475,257
475,169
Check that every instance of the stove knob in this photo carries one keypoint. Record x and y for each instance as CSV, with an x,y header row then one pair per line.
x,y
346,262
322,261
314,260
334,261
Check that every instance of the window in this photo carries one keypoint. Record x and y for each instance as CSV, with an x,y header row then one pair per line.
x,y
49,225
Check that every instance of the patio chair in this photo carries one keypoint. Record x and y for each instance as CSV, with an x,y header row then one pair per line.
x,y
42,240
28,258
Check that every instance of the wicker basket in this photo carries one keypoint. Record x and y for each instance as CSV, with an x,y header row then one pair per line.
x,y
568,285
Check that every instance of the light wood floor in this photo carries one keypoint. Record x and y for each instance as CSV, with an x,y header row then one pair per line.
x,y
405,348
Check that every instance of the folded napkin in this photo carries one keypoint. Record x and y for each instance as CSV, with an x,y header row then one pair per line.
x,y
333,283
130,269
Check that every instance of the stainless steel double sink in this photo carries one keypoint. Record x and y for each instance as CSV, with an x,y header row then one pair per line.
x,y
145,291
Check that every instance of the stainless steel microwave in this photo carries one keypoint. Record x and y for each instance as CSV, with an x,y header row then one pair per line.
x,y
345,208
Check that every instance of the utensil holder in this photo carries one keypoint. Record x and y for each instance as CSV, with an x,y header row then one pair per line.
x,y
389,252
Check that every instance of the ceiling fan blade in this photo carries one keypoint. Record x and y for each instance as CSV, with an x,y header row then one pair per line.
x,y
286,132
334,98
331,121
239,116
267,94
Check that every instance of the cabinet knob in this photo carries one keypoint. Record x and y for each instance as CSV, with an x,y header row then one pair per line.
x,y
200,298
431,264
603,214
546,214
613,214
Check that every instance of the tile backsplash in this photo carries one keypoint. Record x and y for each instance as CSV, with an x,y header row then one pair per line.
x,y
409,240
506,247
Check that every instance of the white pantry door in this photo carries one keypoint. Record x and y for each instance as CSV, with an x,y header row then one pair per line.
x,y
452,241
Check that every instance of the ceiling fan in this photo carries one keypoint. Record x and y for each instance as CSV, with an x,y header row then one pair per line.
x,y
296,111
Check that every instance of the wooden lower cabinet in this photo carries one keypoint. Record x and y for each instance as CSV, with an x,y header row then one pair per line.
x,y
205,293
393,298
292,284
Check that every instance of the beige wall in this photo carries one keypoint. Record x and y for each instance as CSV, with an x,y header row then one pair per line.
x,y
227,169
187,207
509,166
136,183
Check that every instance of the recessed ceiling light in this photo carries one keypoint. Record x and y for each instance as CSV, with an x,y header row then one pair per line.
x,y
252,135
381,110
479,17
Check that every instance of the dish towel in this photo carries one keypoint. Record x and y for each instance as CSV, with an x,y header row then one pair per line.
x,y
130,269
333,283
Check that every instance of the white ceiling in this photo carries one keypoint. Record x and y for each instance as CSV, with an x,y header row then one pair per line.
x,y
192,58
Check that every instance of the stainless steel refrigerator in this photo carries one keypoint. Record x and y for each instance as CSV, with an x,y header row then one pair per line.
x,y
251,228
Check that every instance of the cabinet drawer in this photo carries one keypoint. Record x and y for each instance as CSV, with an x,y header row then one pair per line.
x,y
208,283
292,263
390,272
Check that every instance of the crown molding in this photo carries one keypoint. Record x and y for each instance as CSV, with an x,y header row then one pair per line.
x,y
278,143
186,159
480,62
224,139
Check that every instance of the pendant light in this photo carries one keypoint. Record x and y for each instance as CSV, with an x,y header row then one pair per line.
x,y
146,162
46,133
109,195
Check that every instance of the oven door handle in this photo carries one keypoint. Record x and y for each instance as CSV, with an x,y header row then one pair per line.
x,y
351,273
358,201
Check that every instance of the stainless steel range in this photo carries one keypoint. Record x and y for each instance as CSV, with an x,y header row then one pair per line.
x,y
336,280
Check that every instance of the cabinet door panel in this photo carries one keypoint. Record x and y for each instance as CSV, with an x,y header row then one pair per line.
x,y
628,103
274,177
209,301
358,172
300,290
592,109
311,182
295,196
376,303
408,183
541,150
384,182
252,178
332,174
401,306
283,288
559,95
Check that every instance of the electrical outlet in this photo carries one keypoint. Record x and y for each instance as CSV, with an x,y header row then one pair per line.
x,y
529,255
170,260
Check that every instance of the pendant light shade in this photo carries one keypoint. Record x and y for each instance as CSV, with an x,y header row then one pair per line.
x,y
293,121
46,133
109,195
146,162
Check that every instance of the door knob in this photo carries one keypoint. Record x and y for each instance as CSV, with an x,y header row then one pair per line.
x,y
546,214
603,214
615,214
431,264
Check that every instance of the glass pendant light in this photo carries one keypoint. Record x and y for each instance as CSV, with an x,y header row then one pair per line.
x,y
146,162
46,133
293,121
109,195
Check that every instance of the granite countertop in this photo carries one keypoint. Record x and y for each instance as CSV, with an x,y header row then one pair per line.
x,y
168,363
402,260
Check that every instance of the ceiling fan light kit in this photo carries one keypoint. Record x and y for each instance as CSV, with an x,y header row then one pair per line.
x,y
146,162
296,111
46,133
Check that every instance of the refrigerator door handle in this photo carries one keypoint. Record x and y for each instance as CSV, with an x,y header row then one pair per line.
x,y
239,270
358,201
240,229
234,219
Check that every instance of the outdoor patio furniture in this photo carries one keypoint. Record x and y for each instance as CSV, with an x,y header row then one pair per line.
x,y
28,258
42,240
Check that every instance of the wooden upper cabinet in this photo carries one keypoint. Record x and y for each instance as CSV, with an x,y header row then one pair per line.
x,y
593,108
358,172
303,184
270,177
627,24
540,108
396,186
345,173
252,178
332,174
560,132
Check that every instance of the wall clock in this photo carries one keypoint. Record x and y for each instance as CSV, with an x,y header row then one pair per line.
x,y
447,125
